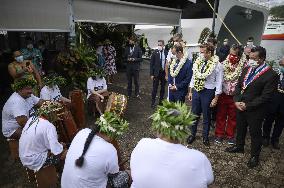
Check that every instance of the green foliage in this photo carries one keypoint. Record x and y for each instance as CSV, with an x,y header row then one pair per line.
x,y
204,35
54,80
172,120
77,63
112,125
23,82
50,110
277,11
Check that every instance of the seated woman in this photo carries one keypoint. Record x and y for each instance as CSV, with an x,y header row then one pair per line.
x,y
38,145
51,90
21,68
164,162
92,160
97,91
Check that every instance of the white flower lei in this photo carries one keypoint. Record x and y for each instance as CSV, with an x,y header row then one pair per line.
x,y
173,72
232,73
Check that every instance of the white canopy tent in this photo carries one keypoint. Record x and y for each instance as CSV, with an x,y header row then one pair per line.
x,y
55,15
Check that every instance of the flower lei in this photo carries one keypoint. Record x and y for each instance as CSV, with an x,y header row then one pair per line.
x,y
173,72
231,72
200,77
173,120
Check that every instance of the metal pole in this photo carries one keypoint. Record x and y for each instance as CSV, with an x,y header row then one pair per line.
x,y
214,15
72,34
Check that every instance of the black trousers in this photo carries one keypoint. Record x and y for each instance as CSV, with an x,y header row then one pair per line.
x,y
160,79
132,72
254,122
275,114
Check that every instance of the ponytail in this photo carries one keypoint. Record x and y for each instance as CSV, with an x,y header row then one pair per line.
x,y
80,161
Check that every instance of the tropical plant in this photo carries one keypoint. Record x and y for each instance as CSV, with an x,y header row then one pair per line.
x,y
204,35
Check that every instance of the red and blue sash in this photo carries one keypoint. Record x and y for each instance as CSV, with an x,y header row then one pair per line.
x,y
252,75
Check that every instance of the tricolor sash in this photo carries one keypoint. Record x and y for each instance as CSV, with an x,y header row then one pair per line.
x,y
252,75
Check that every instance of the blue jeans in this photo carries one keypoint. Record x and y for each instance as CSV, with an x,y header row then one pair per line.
x,y
201,104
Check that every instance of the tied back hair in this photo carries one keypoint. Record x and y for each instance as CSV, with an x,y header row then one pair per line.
x,y
80,161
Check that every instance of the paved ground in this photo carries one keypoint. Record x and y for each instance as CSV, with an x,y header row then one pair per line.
x,y
230,170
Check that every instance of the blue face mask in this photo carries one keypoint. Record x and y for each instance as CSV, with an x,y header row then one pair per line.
x,y
19,59
281,68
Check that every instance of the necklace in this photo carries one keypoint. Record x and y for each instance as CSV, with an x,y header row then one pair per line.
x,y
233,71
175,72
202,69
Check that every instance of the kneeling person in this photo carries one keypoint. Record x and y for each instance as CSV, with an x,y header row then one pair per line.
x,y
38,145
164,162
92,159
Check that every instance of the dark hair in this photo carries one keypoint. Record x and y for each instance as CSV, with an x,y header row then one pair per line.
x,y
133,38
261,52
41,42
178,48
210,48
28,39
251,38
212,40
80,161
162,41
239,48
179,36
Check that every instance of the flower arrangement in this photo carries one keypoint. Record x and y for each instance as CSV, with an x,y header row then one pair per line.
x,y
172,120
199,75
173,72
231,71
23,82
112,125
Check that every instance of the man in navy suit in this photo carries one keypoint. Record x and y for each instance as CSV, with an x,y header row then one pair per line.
x,y
157,71
133,57
179,75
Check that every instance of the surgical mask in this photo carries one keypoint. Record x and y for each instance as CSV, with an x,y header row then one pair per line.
x,y
225,43
281,68
19,59
174,57
253,63
250,43
30,46
160,48
201,55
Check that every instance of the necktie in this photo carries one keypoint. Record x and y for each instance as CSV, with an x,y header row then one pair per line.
x,y
203,66
161,60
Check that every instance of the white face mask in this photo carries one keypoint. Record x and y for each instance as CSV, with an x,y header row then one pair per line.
x,y
174,57
250,43
253,63
160,48
30,46
19,59
201,55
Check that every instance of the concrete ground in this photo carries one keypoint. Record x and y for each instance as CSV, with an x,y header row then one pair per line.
x,y
230,170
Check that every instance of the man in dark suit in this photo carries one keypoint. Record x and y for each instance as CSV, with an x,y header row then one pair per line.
x,y
133,57
157,71
253,92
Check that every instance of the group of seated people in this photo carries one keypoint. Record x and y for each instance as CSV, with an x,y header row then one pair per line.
x,y
92,160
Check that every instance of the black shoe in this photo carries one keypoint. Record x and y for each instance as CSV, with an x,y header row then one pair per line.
x,y
206,142
275,145
190,139
265,142
253,162
234,149
138,97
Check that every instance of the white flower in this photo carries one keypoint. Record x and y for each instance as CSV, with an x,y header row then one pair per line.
x,y
165,124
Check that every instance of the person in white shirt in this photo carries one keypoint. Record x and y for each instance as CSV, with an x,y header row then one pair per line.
x,y
97,91
38,145
164,162
51,90
92,160
205,88
18,108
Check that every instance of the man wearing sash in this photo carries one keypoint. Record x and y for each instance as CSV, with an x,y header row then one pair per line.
x,y
180,75
205,88
253,92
